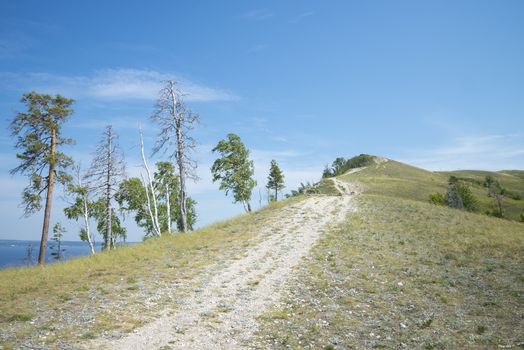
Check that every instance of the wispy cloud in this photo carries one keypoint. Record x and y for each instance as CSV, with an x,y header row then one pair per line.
x,y
257,15
486,152
112,84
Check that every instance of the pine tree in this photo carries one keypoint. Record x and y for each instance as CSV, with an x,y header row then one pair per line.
x,y
275,180
38,134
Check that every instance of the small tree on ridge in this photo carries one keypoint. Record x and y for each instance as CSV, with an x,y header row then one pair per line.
x,y
275,180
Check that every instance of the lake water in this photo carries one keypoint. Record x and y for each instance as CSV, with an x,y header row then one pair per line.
x,y
25,253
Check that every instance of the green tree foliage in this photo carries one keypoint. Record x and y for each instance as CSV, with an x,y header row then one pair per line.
x,y
275,180
459,195
39,137
81,207
341,165
234,170
131,197
118,232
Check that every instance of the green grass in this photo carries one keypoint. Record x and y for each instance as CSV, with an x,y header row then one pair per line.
x,y
405,274
111,291
400,180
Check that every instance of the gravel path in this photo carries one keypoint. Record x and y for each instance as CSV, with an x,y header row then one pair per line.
x,y
222,313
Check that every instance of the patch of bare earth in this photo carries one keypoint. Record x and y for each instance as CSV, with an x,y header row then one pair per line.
x,y
222,312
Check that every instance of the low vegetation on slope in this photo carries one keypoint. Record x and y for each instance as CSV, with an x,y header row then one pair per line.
x,y
400,180
114,292
406,274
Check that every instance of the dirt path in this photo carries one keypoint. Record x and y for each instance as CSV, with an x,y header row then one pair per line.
x,y
222,313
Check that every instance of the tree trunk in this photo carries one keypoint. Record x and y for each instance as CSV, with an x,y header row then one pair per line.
x,y
276,194
183,213
85,213
248,207
154,215
48,201
182,174
86,224
108,237
168,208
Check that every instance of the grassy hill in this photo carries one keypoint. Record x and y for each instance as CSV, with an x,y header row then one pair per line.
x,y
392,178
398,273
403,273
111,293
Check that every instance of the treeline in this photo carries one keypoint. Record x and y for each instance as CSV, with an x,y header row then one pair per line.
x,y
102,194
341,165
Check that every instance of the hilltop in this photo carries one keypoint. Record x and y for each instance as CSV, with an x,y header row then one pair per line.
x,y
395,179
364,261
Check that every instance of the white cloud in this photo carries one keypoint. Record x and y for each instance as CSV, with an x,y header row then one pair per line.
x,y
113,84
486,152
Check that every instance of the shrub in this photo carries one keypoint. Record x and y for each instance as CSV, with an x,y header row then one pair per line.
x,y
437,199
513,195
522,217
460,196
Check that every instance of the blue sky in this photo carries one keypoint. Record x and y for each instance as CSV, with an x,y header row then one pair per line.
x,y
437,84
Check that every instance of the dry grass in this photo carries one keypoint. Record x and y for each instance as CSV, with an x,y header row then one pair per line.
x,y
406,274
114,292
404,181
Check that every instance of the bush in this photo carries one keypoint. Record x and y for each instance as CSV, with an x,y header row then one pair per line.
x,y
522,217
437,199
460,196
513,195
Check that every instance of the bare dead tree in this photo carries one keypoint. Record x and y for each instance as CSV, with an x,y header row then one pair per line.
x,y
176,121
106,171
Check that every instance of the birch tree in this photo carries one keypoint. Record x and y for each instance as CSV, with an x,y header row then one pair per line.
x,y
176,121
151,200
38,132
103,177
132,198
81,207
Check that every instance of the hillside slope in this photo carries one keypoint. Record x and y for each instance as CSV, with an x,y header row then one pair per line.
x,y
366,262
199,290
392,178
403,274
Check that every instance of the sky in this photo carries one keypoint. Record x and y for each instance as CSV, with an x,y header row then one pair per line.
x,y
436,84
